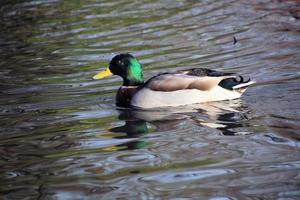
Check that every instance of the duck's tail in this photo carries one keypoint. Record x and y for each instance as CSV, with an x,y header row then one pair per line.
x,y
243,85
238,83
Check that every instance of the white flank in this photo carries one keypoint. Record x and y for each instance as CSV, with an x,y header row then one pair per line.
x,y
146,98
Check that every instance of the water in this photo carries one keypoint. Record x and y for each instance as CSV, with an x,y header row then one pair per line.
x,y
63,138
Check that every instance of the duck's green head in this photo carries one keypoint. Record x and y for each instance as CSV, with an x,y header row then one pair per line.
x,y
126,66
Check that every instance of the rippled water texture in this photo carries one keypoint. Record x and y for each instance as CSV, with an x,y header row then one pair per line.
x,y
62,137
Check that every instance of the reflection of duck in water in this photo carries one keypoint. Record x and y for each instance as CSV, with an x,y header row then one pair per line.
x,y
229,118
138,123
171,89
133,129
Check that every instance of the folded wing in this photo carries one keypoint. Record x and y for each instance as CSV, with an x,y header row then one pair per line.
x,y
199,78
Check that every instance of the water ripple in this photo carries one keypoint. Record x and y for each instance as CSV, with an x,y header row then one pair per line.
x,y
63,137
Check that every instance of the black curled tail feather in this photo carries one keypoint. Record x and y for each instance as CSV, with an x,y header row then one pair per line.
x,y
230,83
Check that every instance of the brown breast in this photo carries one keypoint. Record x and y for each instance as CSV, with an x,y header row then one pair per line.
x,y
124,95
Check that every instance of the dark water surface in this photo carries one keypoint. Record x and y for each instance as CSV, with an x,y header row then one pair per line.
x,y
62,137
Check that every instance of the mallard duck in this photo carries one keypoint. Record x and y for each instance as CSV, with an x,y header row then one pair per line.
x,y
182,87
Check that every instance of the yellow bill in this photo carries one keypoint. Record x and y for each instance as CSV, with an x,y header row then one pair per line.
x,y
103,74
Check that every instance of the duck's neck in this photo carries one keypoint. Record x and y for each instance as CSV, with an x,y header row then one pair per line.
x,y
134,75
127,82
